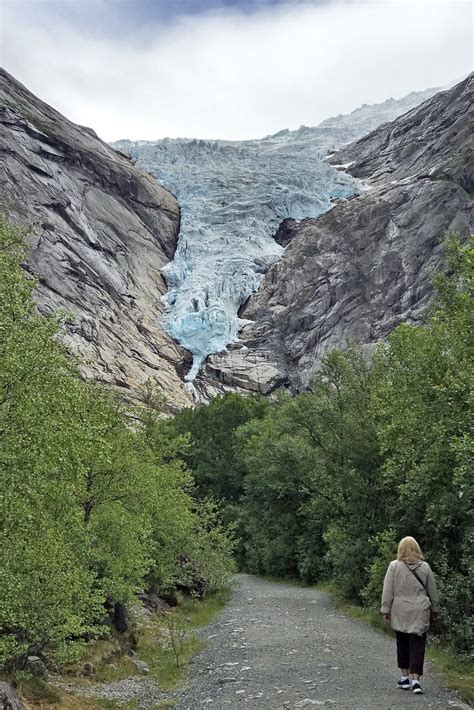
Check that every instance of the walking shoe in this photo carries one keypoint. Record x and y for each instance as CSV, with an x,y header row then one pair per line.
x,y
404,683
416,687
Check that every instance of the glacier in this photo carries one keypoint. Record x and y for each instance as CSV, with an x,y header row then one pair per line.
x,y
233,196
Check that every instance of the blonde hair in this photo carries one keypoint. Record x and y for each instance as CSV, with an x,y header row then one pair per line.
x,y
409,550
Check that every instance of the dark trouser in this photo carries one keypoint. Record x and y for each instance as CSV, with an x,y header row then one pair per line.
x,y
411,651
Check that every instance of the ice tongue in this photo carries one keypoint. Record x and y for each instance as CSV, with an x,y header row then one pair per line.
x,y
233,196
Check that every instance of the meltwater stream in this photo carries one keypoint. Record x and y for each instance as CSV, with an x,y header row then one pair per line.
x,y
233,195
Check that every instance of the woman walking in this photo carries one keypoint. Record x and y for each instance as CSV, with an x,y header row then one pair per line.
x,y
409,600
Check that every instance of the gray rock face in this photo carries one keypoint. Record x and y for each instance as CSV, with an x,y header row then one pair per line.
x,y
365,266
36,666
141,666
9,699
100,231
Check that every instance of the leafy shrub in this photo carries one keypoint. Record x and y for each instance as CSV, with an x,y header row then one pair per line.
x,y
383,547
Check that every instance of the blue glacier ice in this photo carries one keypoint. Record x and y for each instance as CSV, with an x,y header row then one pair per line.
x,y
233,195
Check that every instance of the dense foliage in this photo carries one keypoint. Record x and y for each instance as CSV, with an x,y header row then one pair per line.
x,y
217,465
96,502
324,483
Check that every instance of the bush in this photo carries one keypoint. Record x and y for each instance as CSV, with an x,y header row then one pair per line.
x,y
382,551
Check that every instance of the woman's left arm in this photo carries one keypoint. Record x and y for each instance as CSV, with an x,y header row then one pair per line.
x,y
432,591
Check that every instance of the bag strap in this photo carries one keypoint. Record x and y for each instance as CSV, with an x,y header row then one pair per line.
x,y
420,581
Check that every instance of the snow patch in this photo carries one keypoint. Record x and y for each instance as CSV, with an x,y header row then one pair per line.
x,y
344,166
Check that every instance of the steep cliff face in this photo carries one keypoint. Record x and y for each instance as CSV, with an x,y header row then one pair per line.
x,y
100,231
365,266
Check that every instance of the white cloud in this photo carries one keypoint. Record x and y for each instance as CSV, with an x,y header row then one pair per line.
x,y
239,75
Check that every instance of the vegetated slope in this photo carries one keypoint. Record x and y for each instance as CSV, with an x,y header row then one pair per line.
x,y
233,195
365,266
100,231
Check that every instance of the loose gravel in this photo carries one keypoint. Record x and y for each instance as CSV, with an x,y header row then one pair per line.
x,y
278,646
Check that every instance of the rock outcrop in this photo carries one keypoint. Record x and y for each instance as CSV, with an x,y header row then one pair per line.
x,y
9,699
100,231
365,266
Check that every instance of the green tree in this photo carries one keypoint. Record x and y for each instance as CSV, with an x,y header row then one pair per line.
x,y
423,404
312,477
46,585
212,455
95,499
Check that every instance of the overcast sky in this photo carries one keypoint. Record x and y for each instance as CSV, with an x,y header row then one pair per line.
x,y
228,68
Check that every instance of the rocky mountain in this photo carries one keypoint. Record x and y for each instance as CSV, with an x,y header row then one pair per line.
x,y
100,233
312,249
364,266
233,196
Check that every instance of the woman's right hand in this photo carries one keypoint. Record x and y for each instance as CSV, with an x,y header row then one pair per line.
x,y
386,618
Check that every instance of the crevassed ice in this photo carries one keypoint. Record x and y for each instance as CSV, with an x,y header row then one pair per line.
x,y
233,196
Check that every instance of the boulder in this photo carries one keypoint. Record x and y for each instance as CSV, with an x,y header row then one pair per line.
x,y
168,595
9,700
154,602
87,669
141,666
120,617
36,666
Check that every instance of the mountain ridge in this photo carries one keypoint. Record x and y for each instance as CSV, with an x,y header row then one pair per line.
x,y
234,195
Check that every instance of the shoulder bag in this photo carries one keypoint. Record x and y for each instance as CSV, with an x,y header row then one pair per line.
x,y
433,617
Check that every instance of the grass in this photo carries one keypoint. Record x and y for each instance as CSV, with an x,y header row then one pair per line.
x,y
457,672
202,611
154,646
111,661
160,658
31,688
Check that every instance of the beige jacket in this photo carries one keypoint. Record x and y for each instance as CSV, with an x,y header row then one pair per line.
x,y
405,599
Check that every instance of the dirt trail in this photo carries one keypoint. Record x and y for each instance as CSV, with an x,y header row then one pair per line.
x,y
278,647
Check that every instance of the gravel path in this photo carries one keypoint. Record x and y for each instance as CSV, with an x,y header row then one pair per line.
x,y
277,647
